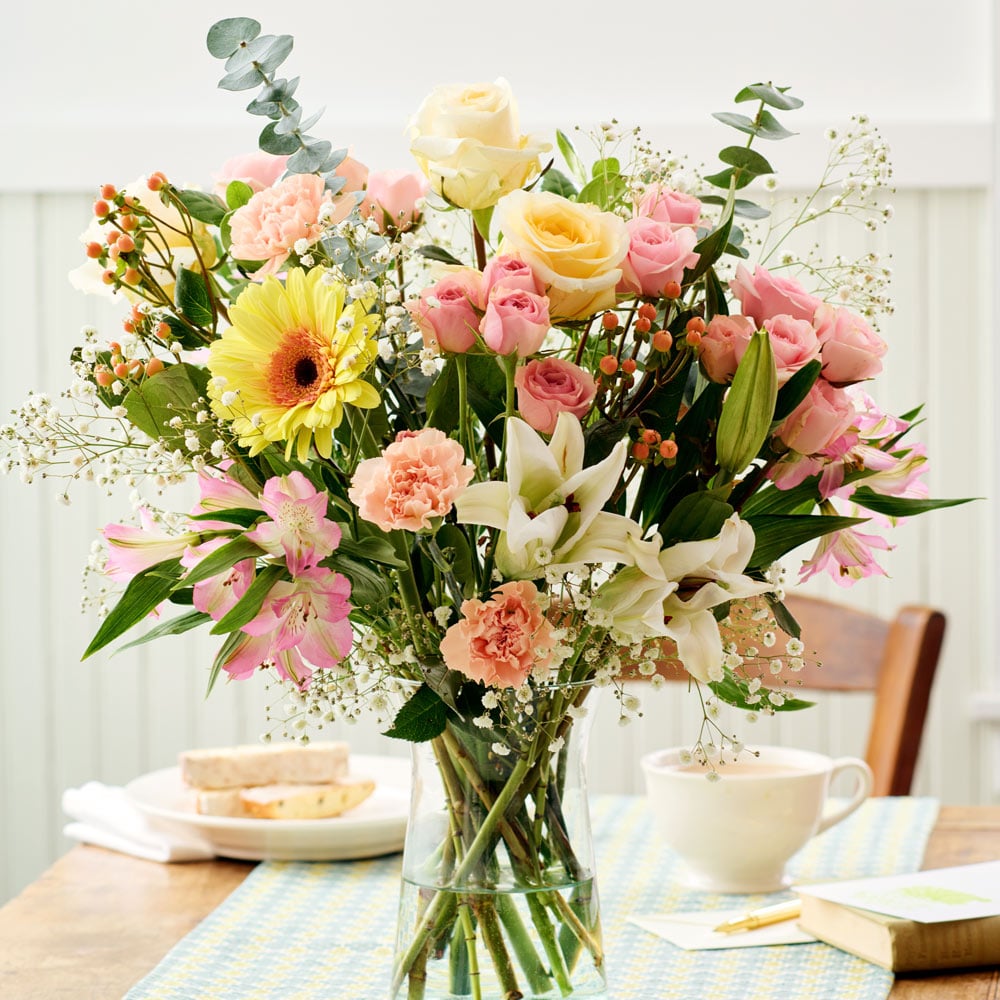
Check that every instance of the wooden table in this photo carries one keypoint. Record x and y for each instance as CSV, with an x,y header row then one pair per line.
x,y
96,922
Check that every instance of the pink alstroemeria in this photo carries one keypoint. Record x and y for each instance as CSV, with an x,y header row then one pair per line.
x,y
132,549
846,556
217,595
299,528
222,492
303,623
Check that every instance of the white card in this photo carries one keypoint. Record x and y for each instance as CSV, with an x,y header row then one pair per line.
x,y
693,930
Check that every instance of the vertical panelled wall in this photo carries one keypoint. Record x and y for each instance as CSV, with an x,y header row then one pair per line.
x,y
63,722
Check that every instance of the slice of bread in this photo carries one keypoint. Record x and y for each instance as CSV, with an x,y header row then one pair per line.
x,y
267,764
220,802
289,801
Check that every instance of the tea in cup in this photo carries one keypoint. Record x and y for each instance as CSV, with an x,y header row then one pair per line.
x,y
735,834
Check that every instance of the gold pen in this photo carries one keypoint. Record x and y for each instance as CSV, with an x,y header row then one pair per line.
x,y
762,917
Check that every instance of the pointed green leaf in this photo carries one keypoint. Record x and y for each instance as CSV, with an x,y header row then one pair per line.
x,y
238,193
246,517
776,97
739,122
746,159
569,154
891,506
770,128
248,606
223,559
176,626
203,207
796,389
192,298
422,718
175,391
442,399
695,517
145,591
741,207
735,692
778,534
482,217
558,183
438,253
225,651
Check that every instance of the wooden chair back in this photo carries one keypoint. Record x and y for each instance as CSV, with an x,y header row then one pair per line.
x,y
852,650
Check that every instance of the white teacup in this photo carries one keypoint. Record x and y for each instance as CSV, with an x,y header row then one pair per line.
x,y
737,833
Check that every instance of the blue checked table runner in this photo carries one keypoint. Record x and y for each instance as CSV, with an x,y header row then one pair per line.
x,y
325,930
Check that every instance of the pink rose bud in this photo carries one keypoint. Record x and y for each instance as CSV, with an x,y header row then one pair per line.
x,y
793,342
657,254
257,170
667,205
446,312
722,339
825,414
851,348
515,320
511,272
391,199
550,386
765,295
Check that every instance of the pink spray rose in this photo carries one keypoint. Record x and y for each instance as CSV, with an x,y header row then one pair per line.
x,y
818,420
793,343
510,271
764,295
515,320
446,312
415,480
666,205
657,254
355,174
499,642
391,199
269,225
722,345
851,348
257,170
550,386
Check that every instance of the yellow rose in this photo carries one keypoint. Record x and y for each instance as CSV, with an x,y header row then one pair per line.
x,y
575,250
465,139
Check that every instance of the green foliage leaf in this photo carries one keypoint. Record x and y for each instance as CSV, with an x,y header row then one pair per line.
x,y
796,389
203,207
729,176
695,517
570,155
422,718
310,157
748,409
777,534
558,183
442,398
156,400
891,506
145,591
225,651
225,37
369,588
454,545
776,97
784,620
710,248
438,253
766,126
487,392
279,145
735,692
368,548
739,122
176,626
245,517
606,189
238,193
748,160
242,79
771,128
192,298
482,217
248,606
741,206
222,559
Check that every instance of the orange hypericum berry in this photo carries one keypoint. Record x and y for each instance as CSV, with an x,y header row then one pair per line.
x,y
121,369
628,366
608,364
113,252
125,243
642,325
104,377
662,340
668,449
610,321
693,339
101,208
108,191
114,347
672,290
650,436
647,310
111,237
153,366
128,326
156,181
640,451
162,330
94,250
108,277
131,276
695,325
128,222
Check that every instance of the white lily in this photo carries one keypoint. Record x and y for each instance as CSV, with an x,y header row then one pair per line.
x,y
552,504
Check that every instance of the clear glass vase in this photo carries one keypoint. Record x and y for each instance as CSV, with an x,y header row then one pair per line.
x,y
499,897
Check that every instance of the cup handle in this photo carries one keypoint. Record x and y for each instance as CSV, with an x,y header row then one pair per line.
x,y
864,788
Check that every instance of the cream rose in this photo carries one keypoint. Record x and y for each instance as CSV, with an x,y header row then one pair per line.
x,y
466,140
575,250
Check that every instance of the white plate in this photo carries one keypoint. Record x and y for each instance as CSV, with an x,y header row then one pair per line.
x,y
375,827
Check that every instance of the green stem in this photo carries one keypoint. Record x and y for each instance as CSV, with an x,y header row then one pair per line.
x,y
465,974
547,934
409,593
535,972
489,925
509,368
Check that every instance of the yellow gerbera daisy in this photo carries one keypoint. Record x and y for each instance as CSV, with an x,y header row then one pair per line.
x,y
292,358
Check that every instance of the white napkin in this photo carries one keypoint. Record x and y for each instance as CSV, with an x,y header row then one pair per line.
x,y
106,816
693,930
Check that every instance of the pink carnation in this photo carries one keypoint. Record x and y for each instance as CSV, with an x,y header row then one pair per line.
x,y
550,386
416,479
500,641
269,225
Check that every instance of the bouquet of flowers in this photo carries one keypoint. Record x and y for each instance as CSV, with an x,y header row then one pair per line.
x,y
473,442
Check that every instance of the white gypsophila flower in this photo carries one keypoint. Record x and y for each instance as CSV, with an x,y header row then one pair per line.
x,y
796,663
776,698
557,744
769,639
500,749
229,398
482,721
301,246
491,699
794,647
776,666
441,615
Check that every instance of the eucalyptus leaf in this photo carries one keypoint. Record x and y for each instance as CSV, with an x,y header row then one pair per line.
x,y
746,159
242,79
776,97
739,122
279,145
771,128
309,158
226,36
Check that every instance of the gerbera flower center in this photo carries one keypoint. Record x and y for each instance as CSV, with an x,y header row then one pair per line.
x,y
299,370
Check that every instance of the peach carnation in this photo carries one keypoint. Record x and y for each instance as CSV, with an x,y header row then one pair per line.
x,y
415,480
269,225
500,641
